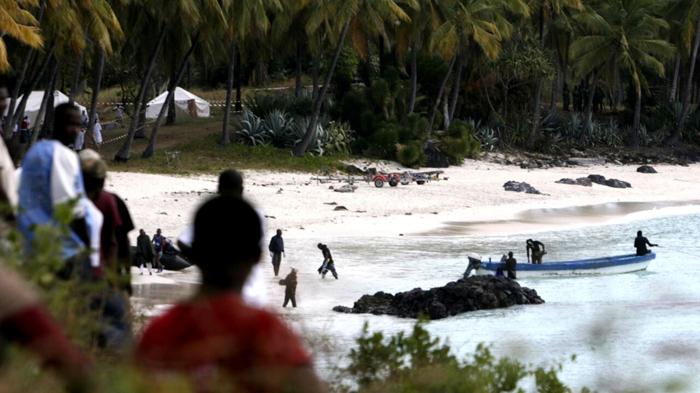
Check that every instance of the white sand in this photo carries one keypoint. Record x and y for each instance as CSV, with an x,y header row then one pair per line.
x,y
473,192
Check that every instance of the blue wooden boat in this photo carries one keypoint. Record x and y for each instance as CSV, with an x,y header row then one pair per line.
x,y
607,265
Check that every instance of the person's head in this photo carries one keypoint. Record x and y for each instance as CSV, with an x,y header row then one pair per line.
x,y
320,246
510,254
158,231
226,257
639,233
67,123
529,241
142,232
279,232
94,170
230,183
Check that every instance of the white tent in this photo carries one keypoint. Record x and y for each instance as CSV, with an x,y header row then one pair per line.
x,y
186,104
34,104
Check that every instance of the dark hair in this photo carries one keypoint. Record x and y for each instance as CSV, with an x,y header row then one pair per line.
x,y
216,249
639,233
320,245
62,115
230,183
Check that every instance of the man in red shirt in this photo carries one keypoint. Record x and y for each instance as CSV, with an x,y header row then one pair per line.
x,y
215,335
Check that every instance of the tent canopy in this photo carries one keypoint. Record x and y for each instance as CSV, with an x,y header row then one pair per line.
x,y
186,104
34,104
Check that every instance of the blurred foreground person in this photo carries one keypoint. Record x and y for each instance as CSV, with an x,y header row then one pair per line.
x,y
215,336
231,184
114,328
24,321
51,178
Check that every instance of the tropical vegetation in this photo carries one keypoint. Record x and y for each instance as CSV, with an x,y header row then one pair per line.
x,y
393,75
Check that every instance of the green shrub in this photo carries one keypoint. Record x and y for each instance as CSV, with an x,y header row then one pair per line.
x,y
417,362
459,142
414,129
383,142
411,155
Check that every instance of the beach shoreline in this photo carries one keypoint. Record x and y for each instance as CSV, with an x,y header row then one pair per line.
x,y
472,194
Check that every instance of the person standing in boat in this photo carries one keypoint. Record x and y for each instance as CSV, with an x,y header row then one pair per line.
x,y
641,243
510,266
537,249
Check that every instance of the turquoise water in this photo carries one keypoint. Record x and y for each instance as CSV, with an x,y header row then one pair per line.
x,y
633,331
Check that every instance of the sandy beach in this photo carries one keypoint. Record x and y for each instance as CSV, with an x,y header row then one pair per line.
x,y
472,193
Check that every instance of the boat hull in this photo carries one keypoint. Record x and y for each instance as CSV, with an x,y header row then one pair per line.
x,y
597,266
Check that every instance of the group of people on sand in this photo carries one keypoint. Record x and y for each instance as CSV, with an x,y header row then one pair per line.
x,y
536,249
213,336
150,251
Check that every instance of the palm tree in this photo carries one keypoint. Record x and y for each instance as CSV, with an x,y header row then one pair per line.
x,y
624,35
686,15
478,22
204,24
17,22
352,16
245,19
415,36
548,11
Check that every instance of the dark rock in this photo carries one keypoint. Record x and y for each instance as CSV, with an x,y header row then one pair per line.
x,y
340,209
615,183
520,187
597,179
646,169
330,203
471,294
343,309
581,181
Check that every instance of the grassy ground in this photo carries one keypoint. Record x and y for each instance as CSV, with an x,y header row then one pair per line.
x,y
199,152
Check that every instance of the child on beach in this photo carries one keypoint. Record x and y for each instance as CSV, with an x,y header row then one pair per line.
x,y
215,335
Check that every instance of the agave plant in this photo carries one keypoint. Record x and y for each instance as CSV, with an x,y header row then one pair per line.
x,y
338,137
487,137
299,129
251,130
280,128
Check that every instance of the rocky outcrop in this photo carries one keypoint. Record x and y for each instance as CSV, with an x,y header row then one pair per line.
x,y
520,187
646,169
581,181
471,294
614,183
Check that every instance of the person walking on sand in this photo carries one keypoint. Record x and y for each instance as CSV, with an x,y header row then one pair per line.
x,y
290,291
158,247
276,248
144,252
537,249
328,263
215,334
641,243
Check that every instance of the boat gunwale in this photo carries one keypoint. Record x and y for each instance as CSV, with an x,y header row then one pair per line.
x,y
581,264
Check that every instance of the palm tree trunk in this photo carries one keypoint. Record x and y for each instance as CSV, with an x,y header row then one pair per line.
x,y
537,99
225,133
441,92
315,71
676,75
29,59
588,120
170,99
76,78
637,115
455,90
300,149
688,88
297,71
47,125
414,79
123,153
33,81
96,86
